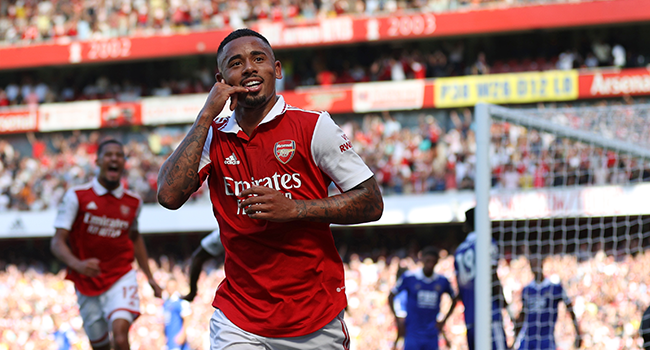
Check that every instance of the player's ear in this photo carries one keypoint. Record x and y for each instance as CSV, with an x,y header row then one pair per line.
x,y
218,77
278,70
97,159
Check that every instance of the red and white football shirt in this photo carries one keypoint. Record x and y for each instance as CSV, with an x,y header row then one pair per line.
x,y
99,222
282,279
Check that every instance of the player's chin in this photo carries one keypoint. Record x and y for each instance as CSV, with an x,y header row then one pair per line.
x,y
253,100
112,181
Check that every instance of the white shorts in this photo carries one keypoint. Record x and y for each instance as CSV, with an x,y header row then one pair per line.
x,y
121,301
227,336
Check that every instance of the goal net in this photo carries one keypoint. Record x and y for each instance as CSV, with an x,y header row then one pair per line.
x,y
567,187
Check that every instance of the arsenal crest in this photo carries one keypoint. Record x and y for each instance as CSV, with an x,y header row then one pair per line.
x,y
125,210
284,150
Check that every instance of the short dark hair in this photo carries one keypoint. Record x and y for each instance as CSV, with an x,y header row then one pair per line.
x,y
240,33
105,142
430,251
469,218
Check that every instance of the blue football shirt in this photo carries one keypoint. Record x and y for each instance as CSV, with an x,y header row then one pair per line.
x,y
540,303
174,310
423,301
465,265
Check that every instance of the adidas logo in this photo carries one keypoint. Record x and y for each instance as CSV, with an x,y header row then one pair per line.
x,y
231,160
17,225
91,206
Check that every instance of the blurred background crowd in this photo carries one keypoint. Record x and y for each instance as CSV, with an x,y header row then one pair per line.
x,y
410,152
609,296
42,20
421,153
23,22
322,67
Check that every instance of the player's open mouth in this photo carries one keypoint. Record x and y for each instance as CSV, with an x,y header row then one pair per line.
x,y
253,85
113,170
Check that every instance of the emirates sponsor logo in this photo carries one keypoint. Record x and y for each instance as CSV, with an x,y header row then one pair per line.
x,y
17,121
616,85
284,150
279,182
105,226
338,29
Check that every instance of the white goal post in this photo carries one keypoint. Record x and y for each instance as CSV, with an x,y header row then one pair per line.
x,y
618,136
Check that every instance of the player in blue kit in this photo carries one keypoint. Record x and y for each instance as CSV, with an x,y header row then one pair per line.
x,y
399,303
424,289
175,312
465,265
540,301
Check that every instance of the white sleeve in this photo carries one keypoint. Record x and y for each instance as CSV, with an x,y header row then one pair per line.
x,y
398,285
212,243
565,296
205,154
494,253
136,222
186,308
67,211
333,153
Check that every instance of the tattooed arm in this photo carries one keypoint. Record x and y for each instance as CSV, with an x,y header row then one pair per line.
x,y
178,177
362,203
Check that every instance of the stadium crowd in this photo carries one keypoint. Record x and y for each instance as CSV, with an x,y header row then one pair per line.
x,y
432,155
609,296
25,21
323,69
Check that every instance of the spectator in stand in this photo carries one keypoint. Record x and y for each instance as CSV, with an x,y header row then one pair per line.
x,y
566,60
4,100
456,56
619,56
480,67
602,51
437,65
591,61
324,76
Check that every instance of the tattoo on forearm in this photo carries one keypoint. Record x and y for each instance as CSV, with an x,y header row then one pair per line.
x,y
180,170
361,204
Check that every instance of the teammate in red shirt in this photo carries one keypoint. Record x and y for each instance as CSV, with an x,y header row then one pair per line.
x,y
97,237
268,167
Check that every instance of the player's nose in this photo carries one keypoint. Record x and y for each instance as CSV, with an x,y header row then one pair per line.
x,y
249,67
